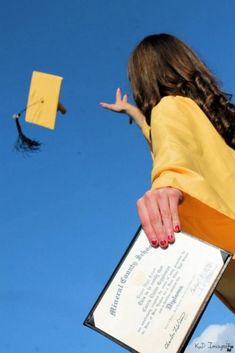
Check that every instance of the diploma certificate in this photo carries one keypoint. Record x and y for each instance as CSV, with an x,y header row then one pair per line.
x,y
154,298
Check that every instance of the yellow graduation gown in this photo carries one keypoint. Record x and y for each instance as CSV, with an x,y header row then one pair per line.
x,y
189,154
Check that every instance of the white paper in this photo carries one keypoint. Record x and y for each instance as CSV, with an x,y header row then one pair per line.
x,y
156,294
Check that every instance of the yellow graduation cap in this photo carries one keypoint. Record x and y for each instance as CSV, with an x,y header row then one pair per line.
x,y
42,106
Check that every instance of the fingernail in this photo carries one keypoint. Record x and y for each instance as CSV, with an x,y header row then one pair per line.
x,y
177,229
154,242
163,243
171,238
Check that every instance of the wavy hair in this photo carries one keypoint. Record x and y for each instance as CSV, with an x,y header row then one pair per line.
x,y
163,65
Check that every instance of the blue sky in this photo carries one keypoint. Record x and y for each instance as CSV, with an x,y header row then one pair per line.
x,y
68,212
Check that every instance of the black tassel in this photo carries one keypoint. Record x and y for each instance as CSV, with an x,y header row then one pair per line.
x,y
23,143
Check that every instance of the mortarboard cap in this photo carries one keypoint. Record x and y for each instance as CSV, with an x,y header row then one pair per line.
x,y
42,106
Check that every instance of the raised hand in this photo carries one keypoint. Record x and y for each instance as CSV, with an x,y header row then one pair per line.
x,y
122,105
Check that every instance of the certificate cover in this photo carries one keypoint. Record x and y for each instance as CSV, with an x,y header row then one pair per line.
x,y
155,297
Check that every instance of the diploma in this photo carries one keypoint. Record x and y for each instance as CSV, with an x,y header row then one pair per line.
x,y
155,297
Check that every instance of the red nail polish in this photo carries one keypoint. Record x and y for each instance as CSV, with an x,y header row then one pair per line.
x,y
163,242
154,242
177,229
171,238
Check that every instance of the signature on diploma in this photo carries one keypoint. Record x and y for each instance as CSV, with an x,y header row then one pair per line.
x,y
201,282
175,329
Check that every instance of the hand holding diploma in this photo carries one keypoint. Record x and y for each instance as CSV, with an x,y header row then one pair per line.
x,y
159,216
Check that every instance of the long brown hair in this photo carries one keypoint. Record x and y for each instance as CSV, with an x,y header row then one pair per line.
x,y
163,65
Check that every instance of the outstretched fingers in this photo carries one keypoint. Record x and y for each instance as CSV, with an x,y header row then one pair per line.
x,y
120,105
107,105
118,95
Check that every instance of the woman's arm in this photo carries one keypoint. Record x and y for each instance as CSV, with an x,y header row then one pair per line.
x,y
121,105
157,209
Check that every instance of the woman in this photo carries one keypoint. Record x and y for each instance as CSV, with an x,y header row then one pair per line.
x,y
190,126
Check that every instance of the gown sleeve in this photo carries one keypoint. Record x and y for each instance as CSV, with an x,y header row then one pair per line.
x,y
189,154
